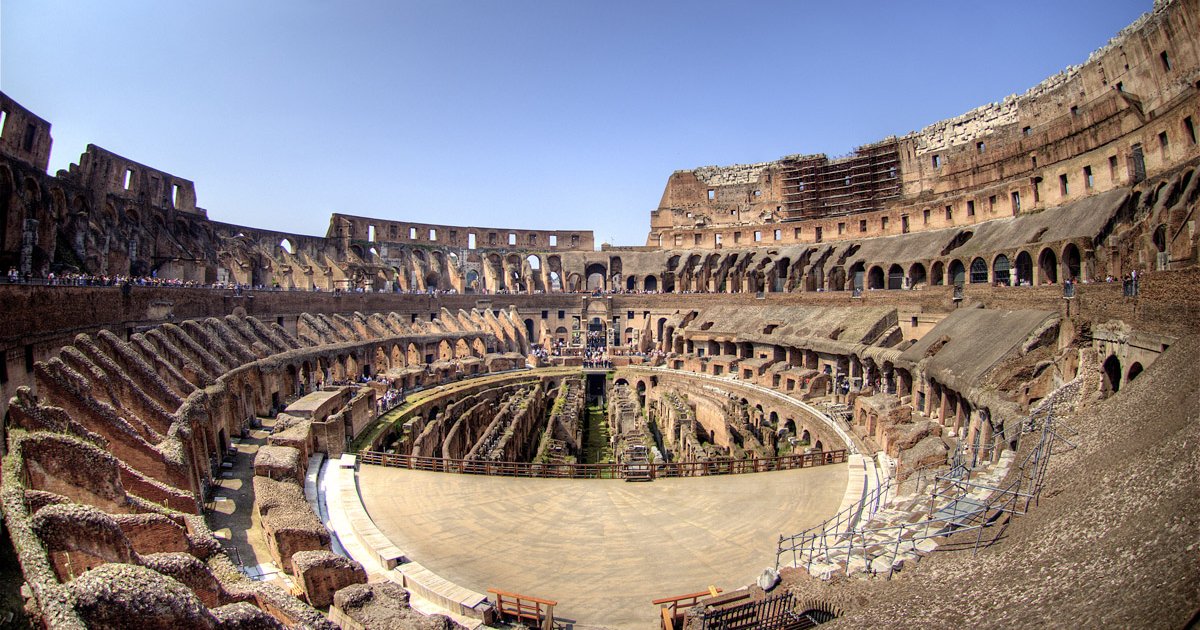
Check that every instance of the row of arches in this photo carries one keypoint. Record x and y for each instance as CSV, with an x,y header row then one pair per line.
x,y
1020,270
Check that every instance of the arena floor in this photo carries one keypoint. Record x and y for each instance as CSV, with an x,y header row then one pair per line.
x,y
603,549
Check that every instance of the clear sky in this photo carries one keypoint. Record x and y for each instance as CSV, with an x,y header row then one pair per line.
x,y
566,114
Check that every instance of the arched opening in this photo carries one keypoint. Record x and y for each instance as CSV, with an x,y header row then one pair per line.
x,y
1134,371
837,279
1112,374
529,330
1000,270
555,281
875,278
814,280
1072,262
937,274
1047,267
1024,269
1160,238
594,274
650,285
958,273
916,275
286,245
535,263
895,277
979,271
631,283
472,283
779,283
858,275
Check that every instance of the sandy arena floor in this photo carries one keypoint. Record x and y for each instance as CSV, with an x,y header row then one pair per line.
x,y
603,549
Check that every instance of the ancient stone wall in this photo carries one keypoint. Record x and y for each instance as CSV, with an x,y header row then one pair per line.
x,y
1129,112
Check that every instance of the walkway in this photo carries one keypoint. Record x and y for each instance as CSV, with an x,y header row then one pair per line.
x,y
603,549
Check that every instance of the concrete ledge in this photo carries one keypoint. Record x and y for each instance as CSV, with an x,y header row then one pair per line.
x,y
352,526
429,585
361,527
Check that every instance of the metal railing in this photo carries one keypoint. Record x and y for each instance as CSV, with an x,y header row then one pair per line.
x,y
601,471
952,508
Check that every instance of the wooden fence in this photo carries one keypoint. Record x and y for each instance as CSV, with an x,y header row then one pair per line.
x,y
602,471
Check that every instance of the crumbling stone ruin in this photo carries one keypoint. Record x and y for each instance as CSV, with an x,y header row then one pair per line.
x,y
924,304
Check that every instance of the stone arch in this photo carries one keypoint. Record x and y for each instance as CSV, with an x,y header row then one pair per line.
x,y
858,275
1072,262
381,360
895,277
596,276
979,271
650,284
1134,371
875,278
1047,267
397,361
1001,270
631,283
1159,238
814,280
837,279
1024,266
1112,374
957,272
937,274
916,275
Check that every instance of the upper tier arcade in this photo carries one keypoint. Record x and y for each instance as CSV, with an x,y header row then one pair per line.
x,y
1129,112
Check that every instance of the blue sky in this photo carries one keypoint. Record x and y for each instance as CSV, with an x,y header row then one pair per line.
x,y
539,115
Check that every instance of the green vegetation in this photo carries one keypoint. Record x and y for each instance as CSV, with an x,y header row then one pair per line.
x,y
596,441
